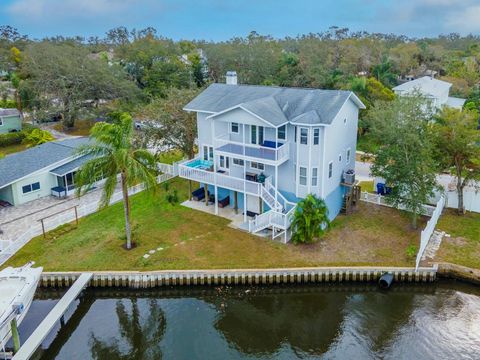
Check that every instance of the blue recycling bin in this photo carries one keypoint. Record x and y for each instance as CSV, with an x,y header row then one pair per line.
x,y
381,188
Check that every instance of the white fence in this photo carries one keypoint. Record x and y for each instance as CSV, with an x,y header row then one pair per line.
x,y
428,231
427,210
10,247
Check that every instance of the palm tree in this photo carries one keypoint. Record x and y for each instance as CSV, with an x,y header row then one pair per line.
x,y
112,154
310,220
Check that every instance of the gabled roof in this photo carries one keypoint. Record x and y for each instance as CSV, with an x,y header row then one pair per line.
x,y
9,112
275,105
16,166
425,85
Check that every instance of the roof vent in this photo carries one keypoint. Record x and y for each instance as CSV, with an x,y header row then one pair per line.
x,y
231,78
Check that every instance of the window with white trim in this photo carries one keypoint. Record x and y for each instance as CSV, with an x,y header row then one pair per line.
x,y
207,152
316,136
348,155
1,121
257,165
234,128
282,132
238,162
303,175
303,136
330,169
339,157
224,162
345,121
314,176
30,187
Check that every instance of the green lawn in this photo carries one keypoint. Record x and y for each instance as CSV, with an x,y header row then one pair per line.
x,y
463,247
191,239
10,149
367,186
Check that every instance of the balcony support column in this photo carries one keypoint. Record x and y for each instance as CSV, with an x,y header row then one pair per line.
x,y
244,176
215,169
276,165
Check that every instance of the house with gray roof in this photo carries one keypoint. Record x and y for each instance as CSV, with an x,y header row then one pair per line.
x,y
43,170
438,91
10,120
264,148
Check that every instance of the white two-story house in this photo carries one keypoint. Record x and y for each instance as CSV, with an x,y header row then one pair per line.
x,y
264,148
438,91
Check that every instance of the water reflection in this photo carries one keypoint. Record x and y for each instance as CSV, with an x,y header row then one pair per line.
x,y
436,321
143,336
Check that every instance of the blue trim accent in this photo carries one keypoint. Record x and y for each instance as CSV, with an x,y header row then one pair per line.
x,y
334,202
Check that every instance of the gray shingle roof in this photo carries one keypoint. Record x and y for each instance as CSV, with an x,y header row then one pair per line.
x,y
277,105
9,112
21,164
70,166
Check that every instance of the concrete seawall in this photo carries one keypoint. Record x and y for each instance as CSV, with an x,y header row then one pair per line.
x,y
154,279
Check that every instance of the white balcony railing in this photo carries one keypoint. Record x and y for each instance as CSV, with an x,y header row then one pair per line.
x,y
223,143
221,180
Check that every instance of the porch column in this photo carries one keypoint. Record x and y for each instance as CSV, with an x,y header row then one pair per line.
x,y
215,192
244,179
65,185
276,164
235,201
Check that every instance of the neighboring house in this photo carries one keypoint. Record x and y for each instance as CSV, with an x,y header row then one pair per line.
x,y
43,170
10,120
264,148
436,90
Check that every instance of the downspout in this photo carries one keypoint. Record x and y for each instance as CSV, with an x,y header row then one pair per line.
x,y
244,179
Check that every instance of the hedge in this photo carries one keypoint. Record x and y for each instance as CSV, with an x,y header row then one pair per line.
x,y
12,138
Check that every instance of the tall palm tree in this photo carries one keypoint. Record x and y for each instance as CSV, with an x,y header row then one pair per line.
x,y
310,220
113,156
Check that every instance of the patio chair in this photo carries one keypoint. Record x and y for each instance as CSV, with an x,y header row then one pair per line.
x,y
224,202
199,194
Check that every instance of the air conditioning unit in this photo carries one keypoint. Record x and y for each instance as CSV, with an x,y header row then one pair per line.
x,y
349,176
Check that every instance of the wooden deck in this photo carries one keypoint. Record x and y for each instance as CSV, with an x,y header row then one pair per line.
x,y
42,331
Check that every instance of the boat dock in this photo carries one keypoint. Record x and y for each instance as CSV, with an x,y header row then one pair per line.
x,y
41,332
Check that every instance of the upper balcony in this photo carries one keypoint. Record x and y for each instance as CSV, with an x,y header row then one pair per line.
x,y
268,152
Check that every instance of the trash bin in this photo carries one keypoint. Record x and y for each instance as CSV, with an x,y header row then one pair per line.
x,y
381,188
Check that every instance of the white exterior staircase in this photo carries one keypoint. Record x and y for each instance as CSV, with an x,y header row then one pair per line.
x,y
278,217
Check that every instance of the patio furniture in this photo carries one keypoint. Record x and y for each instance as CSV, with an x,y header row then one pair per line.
x,y
251,176
271,144
224,202
4,203
199,194
251,214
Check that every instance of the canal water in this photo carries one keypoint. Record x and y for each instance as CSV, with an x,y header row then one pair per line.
x,y
356,321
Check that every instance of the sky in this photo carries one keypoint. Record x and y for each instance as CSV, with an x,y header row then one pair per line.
x,y
223,19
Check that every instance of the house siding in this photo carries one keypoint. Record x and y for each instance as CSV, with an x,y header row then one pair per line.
x,y
335,140
46,180
10,123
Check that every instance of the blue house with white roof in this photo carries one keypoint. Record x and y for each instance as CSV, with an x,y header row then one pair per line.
x,y
263,148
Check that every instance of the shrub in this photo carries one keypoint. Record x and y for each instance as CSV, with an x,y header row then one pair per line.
x,y
8,104
12,138
411,251
310,220
37,137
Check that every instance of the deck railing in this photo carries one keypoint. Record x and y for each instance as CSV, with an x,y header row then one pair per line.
x,y
221,180
241,150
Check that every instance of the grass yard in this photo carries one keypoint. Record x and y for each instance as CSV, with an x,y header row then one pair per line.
x,y
463,247
81,128
191,239
10,149
367,186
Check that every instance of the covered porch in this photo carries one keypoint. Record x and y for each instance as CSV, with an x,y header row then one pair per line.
x,y
236,217
65,175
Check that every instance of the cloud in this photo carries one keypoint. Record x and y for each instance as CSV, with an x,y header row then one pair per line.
x,y
465,20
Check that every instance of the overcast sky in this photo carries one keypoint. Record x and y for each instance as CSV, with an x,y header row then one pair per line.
x,y
223,19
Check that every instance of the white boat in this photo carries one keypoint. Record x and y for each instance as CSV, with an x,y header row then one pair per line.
x,y
17,288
